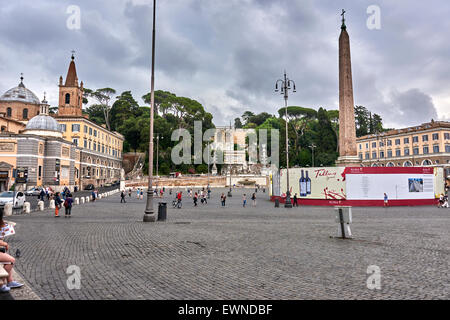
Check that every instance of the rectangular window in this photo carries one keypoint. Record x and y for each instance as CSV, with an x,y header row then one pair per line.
x,y
406,140
435,149
447,148
367,146
374,155
406,151
85,129
416,151
398,153
63,127
389,143
425,138
360,156
381,144
389,153
415,139
90,131
360,147
374,145
95,147
75,128
447,136
367,156
397,142
85,143
95,133
381,154
426,150
75,141
435,136
40,172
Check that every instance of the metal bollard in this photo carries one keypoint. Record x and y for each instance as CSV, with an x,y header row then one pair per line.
x,y
88,199
52,204
77,201
41,205
26,207
83,200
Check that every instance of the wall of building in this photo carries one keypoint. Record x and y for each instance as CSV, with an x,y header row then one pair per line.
x,y
17,109
407,146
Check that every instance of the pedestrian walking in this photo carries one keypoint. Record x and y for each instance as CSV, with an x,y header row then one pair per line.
x,y
142,194
244,200
58,203
68,205
254,199
129,193
386,200
122,197
138,193
223,199
195,199
42,195
94,196
295,200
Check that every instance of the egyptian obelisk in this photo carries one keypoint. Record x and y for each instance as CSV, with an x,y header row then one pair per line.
x,y
347,129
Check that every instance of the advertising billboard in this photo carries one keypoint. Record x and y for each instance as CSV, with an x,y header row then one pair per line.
x,y
315,183
397,183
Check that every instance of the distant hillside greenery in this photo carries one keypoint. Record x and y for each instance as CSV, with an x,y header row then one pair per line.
x,y
307,126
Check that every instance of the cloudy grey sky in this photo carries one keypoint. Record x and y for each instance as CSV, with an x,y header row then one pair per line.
x,y
228,54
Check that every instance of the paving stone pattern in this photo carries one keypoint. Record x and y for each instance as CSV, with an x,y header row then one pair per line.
x,y
211,252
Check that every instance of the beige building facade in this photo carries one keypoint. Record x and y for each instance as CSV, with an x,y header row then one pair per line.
x,y
424,145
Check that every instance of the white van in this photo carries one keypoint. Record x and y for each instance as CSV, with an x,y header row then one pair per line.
x,y
17,199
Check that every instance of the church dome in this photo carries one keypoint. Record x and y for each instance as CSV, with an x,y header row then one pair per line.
x,y
43,122
20,94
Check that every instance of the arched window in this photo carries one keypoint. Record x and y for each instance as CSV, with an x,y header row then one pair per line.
x,y
67,98
427,163
408,164
25,114
390,164
9,112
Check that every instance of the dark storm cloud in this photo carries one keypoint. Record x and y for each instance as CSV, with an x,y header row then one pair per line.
x,y
413,107
228,54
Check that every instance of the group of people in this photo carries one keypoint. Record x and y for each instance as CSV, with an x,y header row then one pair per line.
x,y
6,260
66,201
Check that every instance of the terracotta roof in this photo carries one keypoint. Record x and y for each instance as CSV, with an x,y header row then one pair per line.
x,y
71,79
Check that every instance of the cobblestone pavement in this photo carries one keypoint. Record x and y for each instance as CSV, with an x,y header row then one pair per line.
x,y
211,252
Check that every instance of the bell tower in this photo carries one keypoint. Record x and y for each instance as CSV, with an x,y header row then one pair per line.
x,y
70,93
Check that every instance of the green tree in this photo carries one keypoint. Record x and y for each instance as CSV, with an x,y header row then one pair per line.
x,y
103,97
238,123
124,107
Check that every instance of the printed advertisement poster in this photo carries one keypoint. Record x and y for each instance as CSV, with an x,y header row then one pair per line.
x,y
315,183
397,186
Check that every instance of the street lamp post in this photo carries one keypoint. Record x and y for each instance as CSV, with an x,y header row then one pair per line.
x,y
313,146
285,87
149,215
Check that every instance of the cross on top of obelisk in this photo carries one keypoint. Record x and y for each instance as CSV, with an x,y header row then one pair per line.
x,y
343,19
73,54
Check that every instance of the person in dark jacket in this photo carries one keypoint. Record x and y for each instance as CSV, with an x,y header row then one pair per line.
x,y
42,195
58,203
68,205
122,196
